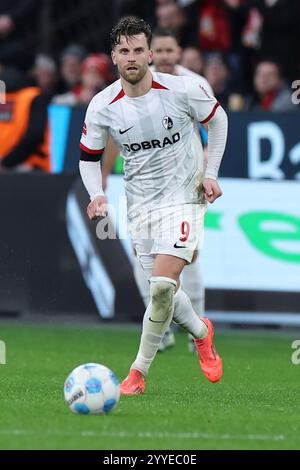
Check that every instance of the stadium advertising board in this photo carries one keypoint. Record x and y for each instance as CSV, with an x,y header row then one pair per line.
x,y
252,236
263,145
55,262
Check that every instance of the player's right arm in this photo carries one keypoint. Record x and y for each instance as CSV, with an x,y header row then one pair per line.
x,y
92,145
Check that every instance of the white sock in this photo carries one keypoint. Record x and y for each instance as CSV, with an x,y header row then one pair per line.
x,y
186,317
142,283
157,319
192,283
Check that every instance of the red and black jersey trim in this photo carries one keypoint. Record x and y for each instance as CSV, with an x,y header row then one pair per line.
x,y
155,85
211,114
158,86
89,155
118,97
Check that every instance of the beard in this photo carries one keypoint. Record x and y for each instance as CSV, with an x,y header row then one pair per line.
x,y
135,76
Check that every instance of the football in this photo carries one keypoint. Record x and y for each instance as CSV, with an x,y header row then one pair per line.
x,y
91,389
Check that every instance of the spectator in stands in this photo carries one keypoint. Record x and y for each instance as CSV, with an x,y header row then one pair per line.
x,y
70,68
171,16
96,74
24,139
214,26
192,59
17,23
270,90
222,24
217,74
45,74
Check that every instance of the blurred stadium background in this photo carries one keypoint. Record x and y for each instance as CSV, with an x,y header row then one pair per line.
x,y
53,268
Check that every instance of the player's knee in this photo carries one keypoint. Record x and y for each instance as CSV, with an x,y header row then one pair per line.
x,y
162,290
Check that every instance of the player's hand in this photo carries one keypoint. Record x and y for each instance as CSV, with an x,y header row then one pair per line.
x,y
97,208
212,190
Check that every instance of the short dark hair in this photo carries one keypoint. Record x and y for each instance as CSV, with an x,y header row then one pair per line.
x,y
165,32
128,27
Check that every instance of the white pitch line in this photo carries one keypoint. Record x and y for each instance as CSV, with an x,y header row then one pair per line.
x,y
185,435
153,435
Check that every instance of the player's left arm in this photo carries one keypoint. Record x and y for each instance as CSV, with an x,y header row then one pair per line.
x,y
207,110
217,137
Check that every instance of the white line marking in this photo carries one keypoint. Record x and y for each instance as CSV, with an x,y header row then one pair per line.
x,y
151,435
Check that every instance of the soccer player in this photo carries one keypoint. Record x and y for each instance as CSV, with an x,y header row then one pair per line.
x,y
166,55
152,118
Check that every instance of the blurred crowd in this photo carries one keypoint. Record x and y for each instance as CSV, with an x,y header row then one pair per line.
x,y
58,51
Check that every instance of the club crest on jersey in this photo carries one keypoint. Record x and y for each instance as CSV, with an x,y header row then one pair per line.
x,y
167,122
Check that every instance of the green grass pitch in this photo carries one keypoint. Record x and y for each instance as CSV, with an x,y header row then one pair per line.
x,y
255,406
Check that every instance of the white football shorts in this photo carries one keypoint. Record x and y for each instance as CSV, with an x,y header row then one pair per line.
x,y
174,230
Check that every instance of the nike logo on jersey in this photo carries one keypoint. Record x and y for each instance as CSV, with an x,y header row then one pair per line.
x,y
178,246
126,130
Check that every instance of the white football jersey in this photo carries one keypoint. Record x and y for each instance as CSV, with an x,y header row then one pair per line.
x,y
155,133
